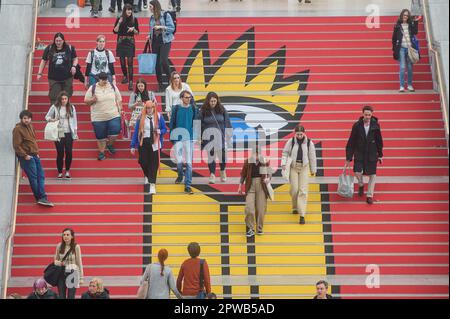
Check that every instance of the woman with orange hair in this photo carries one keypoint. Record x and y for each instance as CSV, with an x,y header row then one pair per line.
x,y
159,279
148,139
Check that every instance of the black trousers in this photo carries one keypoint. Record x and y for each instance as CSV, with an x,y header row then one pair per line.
x,y
148,159
119,4
63,291
162,61
176,3
64,147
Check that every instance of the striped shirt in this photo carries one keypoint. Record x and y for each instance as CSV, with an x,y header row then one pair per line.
x,y
406,40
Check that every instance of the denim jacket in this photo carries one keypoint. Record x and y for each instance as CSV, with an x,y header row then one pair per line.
x,y
167,34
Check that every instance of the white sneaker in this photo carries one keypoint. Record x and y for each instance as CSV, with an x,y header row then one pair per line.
x,y
410,88
402,89
152,189
223,176
146,181
212,179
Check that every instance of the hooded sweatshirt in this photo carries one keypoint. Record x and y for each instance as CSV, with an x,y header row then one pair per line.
x,y
24,140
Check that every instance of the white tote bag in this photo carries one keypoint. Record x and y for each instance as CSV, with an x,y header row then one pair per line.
x,y
51,131
345,185
271,192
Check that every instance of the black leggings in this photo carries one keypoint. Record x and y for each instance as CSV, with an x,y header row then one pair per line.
x,y
212,160
63,291
123,64
65,145
148,159
162,61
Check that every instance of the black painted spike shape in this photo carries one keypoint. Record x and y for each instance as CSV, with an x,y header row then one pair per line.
x,y
252,70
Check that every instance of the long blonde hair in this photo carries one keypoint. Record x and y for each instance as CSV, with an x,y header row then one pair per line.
x,y
172,85
155,121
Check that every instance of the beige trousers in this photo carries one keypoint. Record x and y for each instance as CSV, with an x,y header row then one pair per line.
x,y
255,205
370,185
299,178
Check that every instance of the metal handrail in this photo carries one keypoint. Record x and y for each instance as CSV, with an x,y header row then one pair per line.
x,y
12,227
440,79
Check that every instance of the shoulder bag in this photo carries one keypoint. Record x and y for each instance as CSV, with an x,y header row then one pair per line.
x,y
143,289
202,293
53,272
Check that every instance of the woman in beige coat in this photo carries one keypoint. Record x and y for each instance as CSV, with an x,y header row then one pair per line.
x,y
298,160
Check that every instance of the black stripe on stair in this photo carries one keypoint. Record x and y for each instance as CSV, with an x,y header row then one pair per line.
x,y
147,229
251,261
326,216
224,247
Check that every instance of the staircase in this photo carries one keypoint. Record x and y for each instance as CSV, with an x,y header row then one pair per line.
x,y
306,72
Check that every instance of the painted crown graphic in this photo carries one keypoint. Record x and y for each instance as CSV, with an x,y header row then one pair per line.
x,y
256,96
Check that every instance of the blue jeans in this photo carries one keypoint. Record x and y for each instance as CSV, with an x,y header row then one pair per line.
x,y
35,174
187,147
405,62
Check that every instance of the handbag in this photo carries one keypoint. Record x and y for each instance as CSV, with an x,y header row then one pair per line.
x,y
345,186
125,128
271,192
51,132
147,61
53,272
143,289
202,292
413,54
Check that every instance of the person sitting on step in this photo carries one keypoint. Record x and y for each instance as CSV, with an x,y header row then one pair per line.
x,y
96,290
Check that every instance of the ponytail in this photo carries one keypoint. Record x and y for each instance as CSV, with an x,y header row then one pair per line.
x,y
162,256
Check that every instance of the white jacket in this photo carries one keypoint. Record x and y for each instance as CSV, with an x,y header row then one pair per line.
x,y
309,157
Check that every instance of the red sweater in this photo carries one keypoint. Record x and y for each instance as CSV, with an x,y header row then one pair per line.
x,y
190,277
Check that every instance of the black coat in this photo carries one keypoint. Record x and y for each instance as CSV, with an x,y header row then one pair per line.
x,y
397,37
103,295
362,148
50,294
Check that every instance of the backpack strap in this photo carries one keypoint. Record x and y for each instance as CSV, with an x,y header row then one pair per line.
x,y
202,275
293,143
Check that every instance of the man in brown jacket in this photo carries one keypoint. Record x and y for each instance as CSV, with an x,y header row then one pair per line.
x,y
255,175
27,151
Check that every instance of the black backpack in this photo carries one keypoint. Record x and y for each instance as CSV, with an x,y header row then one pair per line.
x,y
173,14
